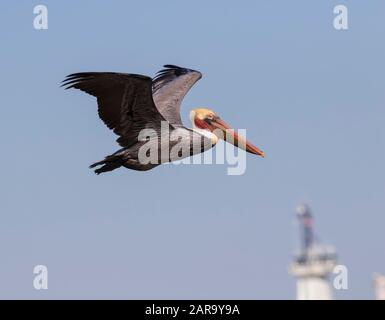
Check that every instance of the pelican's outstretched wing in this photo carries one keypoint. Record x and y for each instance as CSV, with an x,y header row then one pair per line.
x,y
125,102
169,87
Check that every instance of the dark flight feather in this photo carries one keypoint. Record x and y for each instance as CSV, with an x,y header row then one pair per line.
x,y
125,101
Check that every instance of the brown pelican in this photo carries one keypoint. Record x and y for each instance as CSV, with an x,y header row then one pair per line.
x,y
145,114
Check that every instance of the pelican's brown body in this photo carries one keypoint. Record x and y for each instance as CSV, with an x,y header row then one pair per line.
x,y
128,156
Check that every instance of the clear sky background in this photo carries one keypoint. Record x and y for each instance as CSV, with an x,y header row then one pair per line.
x,y
310,96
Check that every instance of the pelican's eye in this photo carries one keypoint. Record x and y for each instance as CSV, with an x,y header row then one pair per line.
x,y
209,118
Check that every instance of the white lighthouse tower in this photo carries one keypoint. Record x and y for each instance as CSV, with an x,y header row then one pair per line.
x,y
379,286
314,262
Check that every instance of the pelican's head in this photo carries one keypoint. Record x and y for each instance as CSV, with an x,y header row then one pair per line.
x,y
206,120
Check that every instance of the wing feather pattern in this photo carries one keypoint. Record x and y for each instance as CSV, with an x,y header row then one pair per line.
x,y
125,102
169,88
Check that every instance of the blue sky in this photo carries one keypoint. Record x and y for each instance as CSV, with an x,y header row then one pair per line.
x,y
310,96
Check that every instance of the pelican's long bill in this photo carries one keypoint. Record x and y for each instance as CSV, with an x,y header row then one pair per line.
x,y
228,134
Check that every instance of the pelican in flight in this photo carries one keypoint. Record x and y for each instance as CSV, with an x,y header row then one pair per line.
x,y
145,114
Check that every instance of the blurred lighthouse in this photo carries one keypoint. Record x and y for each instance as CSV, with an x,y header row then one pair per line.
x,y
313,263
379,286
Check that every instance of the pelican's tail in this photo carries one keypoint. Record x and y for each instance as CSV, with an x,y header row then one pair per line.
x,y
110,163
